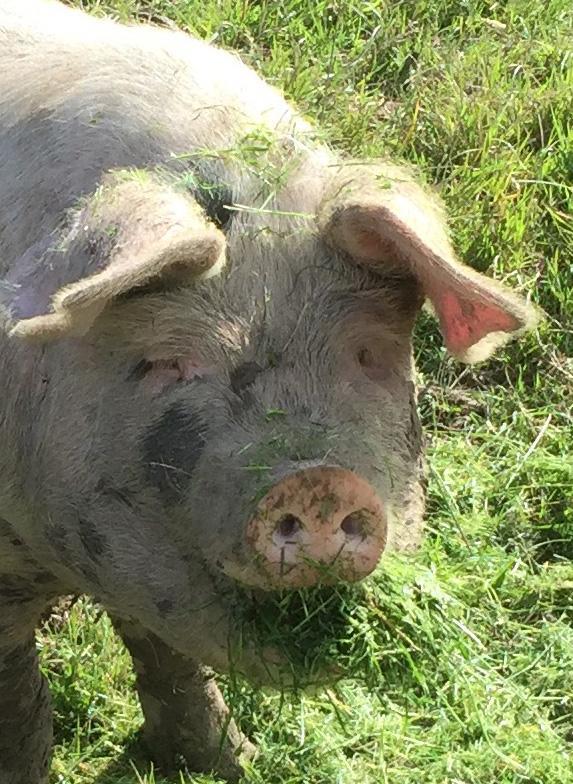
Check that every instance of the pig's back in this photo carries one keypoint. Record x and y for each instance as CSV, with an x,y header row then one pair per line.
x,y
80,95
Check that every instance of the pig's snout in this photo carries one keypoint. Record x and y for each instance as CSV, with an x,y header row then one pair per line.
x,y
320,524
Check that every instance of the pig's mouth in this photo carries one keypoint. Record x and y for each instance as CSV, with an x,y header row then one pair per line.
x,y
294,636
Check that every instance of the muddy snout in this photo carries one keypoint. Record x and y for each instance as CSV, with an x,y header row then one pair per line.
x,y
319,525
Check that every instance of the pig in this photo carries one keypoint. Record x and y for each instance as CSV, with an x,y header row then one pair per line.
x,y
206,376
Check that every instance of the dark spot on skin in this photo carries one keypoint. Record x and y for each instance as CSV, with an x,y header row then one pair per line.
x,y
240,403
280,502
172,449
57,535
99,246
164,606
241,379
243,376
215,200
16,542
93,540
90,576
19,658
15,589
123,494
43,578
44,388
140,370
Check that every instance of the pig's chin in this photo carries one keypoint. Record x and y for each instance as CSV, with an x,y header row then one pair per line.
x,y
278,579
266,666
232,645
260,662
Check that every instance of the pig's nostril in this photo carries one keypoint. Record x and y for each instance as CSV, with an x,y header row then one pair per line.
x,y
354,525
288,526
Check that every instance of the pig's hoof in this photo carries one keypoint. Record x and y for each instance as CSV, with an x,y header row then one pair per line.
x,y
229,765
172,754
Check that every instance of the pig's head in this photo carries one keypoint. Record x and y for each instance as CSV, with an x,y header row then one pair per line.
x,y
258,428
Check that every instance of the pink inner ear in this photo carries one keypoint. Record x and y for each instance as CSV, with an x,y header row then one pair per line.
x,y
465,322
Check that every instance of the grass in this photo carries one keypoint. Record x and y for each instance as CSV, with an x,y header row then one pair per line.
x,y
462,656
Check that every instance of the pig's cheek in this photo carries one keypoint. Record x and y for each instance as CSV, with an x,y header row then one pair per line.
x,y
172,448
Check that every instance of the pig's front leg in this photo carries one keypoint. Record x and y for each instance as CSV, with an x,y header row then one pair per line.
x,y
25,710
186,720
25,706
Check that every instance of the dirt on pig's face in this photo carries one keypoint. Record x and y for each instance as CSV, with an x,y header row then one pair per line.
x,y
198,401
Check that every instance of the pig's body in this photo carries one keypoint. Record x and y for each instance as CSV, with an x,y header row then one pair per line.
x,y
162,438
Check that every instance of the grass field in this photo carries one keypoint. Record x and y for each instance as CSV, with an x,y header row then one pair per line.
x,y
479,94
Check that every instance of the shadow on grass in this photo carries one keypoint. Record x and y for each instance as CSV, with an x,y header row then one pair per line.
x,y
122,768
132,764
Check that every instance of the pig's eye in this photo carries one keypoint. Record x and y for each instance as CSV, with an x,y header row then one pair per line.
x,y
365,358
162,373
140,370
373,364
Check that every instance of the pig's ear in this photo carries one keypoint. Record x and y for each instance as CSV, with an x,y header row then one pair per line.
x,y
132,232
382,219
